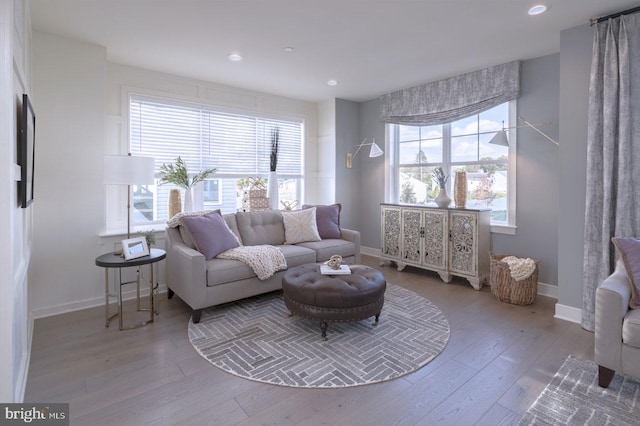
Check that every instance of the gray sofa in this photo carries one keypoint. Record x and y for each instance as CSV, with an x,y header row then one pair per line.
x,y
202,283
617,330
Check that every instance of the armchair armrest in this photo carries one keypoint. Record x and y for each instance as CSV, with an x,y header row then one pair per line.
x,y
612,304
186,271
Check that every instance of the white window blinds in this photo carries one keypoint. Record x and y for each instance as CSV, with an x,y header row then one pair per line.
x,y
236,145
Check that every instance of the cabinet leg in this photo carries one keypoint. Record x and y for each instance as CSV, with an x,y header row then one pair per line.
x,y
401,266
475,283
445,277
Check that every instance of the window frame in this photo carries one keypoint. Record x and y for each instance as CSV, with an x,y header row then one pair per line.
x,y
116,217
392,169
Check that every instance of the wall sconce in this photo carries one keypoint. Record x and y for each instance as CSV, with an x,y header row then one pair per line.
x,y
500,137
374,152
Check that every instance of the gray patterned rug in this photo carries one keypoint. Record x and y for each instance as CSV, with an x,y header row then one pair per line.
x,y
574,398
256,339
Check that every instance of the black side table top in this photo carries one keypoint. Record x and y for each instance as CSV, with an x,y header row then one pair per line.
x,y
112,260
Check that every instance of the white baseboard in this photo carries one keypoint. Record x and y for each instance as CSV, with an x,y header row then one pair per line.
x,y
88,303
370,251
568,313
548,290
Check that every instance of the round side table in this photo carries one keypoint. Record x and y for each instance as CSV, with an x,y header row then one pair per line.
x,y
113,261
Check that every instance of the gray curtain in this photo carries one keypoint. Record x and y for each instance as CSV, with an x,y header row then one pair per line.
x,y
454,98
613,149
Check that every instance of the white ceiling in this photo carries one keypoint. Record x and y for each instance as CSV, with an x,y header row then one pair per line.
x,y
371,47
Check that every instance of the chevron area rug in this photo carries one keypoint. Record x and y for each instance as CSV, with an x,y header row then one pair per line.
x,y
256,339
574,398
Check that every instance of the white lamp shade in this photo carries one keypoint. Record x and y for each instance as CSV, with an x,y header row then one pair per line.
x,y
375,150
500,138
128,170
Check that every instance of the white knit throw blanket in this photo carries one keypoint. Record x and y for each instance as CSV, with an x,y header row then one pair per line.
x,y
521,269
265,260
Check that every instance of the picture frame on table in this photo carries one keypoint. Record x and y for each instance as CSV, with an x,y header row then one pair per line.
x,y
26,152
134,248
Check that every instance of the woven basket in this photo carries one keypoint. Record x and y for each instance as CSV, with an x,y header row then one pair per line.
x,y
508,290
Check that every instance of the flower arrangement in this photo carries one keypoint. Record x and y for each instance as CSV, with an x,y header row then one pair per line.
x,y
178,175
275,141
440,177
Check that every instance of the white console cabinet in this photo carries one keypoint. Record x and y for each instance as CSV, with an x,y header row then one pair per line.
x,y
447,241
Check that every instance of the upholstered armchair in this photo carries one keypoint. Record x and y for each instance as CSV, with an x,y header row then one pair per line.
x,y
617,333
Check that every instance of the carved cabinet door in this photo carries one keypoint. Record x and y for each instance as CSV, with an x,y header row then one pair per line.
x,y
463,243
412,235
436,235
391,231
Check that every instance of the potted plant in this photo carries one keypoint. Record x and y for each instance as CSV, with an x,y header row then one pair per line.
x,y
178,175
442,200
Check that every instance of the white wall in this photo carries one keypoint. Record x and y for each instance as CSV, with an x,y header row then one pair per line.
x,y
15,222
326,155
69,80
82,107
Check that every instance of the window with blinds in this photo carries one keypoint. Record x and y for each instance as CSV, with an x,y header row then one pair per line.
x,y
236,145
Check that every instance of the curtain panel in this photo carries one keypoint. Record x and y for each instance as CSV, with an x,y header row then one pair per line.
x,y
453,98
613,148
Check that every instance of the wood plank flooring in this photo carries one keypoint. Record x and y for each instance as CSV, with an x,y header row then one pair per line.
x,y
498,360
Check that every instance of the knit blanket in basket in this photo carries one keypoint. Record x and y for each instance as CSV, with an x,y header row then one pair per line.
x,y
265,260
520,269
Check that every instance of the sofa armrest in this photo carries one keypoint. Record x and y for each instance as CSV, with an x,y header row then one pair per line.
x,y
612,304
186,271
354,237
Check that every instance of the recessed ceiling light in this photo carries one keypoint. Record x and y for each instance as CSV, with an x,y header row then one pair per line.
x,y
332,82
234,57
538,9
288,49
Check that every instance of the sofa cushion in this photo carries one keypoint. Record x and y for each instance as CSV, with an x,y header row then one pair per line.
x,y
297,255
631,328
230,218
258,228
327,219
300,226
326,248
629,249
222,271
175,222
210,233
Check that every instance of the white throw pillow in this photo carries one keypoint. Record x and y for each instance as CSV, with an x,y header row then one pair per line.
x,y
300,226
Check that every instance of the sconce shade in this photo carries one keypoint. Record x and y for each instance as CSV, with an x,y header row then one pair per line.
x,y
500,138
375,150
128,170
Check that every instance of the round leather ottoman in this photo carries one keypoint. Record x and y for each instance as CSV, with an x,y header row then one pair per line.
x,y
334,298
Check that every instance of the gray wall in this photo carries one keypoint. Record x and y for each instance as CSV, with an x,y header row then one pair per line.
x,y
347,180
575,69
537,179
537,171
550,180
371,175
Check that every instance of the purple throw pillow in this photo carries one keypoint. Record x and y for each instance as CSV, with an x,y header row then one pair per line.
x,y
629,249
210,233
328,220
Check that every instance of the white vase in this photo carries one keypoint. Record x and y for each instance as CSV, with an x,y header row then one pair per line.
x,y
443,200
188,200
272,190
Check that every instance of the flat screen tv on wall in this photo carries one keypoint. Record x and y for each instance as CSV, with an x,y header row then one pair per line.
x,y
26,151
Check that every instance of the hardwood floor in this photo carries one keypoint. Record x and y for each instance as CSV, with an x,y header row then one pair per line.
x,y
498,360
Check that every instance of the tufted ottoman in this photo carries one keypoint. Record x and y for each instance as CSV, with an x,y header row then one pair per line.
x,y
334,298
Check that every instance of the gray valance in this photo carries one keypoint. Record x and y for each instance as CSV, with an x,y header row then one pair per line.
x,y
453,98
